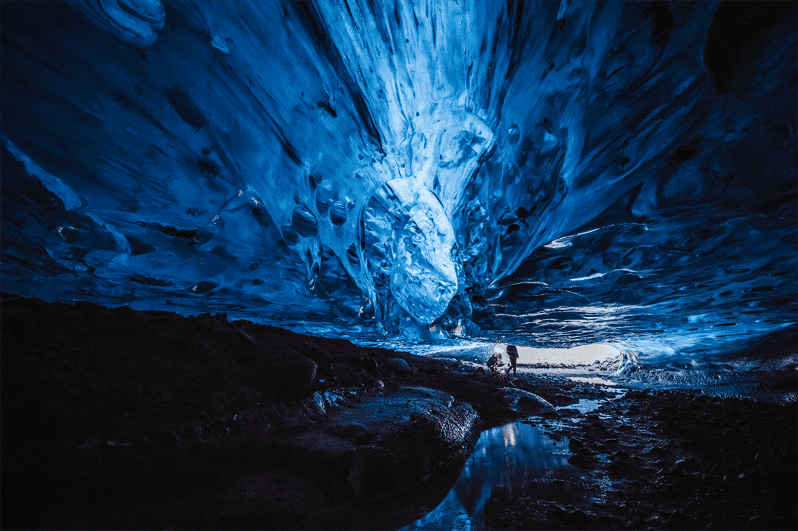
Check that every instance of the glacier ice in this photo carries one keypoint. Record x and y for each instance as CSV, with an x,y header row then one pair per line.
x,y
135,21
409,243
558,172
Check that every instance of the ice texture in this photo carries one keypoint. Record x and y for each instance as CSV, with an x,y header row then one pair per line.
x,y
560,173
135,21
410,248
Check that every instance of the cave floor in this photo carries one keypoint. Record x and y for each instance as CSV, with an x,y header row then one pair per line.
x,y
667,460
113,418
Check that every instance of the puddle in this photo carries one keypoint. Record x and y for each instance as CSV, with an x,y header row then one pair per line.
x,y
518,459
593,380
586,405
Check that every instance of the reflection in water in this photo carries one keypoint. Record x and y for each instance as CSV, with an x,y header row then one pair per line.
x,y
519,459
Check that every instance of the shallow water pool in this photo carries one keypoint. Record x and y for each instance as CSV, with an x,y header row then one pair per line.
x,y
514,460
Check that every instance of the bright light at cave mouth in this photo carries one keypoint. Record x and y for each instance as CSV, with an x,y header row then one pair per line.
x,y
569,174
580,356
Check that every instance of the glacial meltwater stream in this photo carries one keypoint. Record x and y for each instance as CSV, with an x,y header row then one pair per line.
x,y
516,460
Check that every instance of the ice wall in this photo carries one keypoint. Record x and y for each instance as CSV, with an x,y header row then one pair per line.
x,y
424,169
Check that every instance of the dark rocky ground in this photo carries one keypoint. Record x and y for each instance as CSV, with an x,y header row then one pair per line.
x,y
116,418
672,460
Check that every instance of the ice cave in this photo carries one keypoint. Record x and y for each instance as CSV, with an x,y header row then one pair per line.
x,y
256,255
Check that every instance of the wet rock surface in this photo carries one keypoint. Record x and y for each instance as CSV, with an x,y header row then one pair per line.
x,y
117,418
671,460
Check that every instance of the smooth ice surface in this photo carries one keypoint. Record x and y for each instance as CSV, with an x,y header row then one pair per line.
x,y
553,174
423,278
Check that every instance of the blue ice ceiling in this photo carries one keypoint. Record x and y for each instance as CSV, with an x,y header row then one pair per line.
x,y
565,172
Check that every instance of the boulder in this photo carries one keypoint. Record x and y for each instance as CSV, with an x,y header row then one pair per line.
x,y
391,441
400,365
524,402
288,376
390,445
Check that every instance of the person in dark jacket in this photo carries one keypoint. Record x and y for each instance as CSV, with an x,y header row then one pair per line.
x,y
494,362
512,353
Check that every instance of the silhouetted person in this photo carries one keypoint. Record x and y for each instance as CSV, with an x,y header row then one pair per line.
x,y
512,353
494,363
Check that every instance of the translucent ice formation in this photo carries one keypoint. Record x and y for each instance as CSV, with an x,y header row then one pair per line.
x,y
410,244
563,172
135,21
